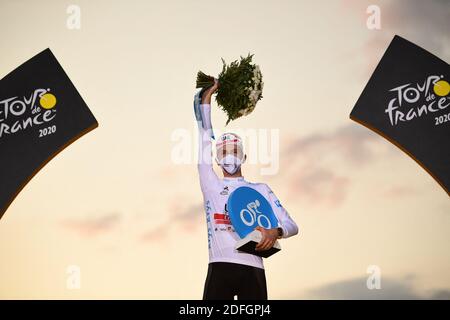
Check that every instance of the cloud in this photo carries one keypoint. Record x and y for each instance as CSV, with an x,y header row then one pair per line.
x,y
399,191
351,141
156,235
441,295
325,163
357,289
92,226
391,289
319,185
319,169
425,23
184,216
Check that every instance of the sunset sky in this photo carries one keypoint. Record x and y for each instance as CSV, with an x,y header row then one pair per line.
x,y
116,204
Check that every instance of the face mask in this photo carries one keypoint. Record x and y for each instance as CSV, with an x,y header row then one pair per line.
x,y
230,163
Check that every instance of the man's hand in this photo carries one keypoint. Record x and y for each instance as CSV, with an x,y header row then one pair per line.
x,y
269,236
206,96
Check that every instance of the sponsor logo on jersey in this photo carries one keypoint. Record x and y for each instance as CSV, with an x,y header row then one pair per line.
x,y
222,218
225,190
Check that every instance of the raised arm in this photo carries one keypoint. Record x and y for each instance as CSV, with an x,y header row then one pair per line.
x,y
202,110
206,97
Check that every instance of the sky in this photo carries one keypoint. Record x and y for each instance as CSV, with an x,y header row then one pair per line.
x,y
119,214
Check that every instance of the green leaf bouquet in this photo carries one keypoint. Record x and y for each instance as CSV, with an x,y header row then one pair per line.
x,y
240,87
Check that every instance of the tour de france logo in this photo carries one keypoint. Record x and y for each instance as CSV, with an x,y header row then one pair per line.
x,y
411,101
18,114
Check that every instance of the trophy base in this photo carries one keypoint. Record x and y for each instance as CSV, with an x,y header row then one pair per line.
x,y
249,243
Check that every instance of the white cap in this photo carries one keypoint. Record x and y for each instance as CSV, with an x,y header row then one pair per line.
x,y
229,141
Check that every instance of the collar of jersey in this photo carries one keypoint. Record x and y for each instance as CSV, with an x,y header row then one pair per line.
x,y
237,179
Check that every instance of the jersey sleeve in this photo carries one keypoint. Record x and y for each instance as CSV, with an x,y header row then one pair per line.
x,y
285,221
208,178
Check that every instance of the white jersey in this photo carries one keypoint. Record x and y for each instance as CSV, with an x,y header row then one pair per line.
x,y
221,235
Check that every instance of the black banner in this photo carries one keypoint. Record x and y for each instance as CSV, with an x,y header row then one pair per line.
x,y
407,101
198,310
41,113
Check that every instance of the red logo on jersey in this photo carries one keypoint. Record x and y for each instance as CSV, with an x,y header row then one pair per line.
x,y
221,218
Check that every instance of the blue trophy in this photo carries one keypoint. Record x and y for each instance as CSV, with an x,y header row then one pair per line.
x,y
248,209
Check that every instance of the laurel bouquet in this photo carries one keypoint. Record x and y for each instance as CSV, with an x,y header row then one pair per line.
x,y
240,87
